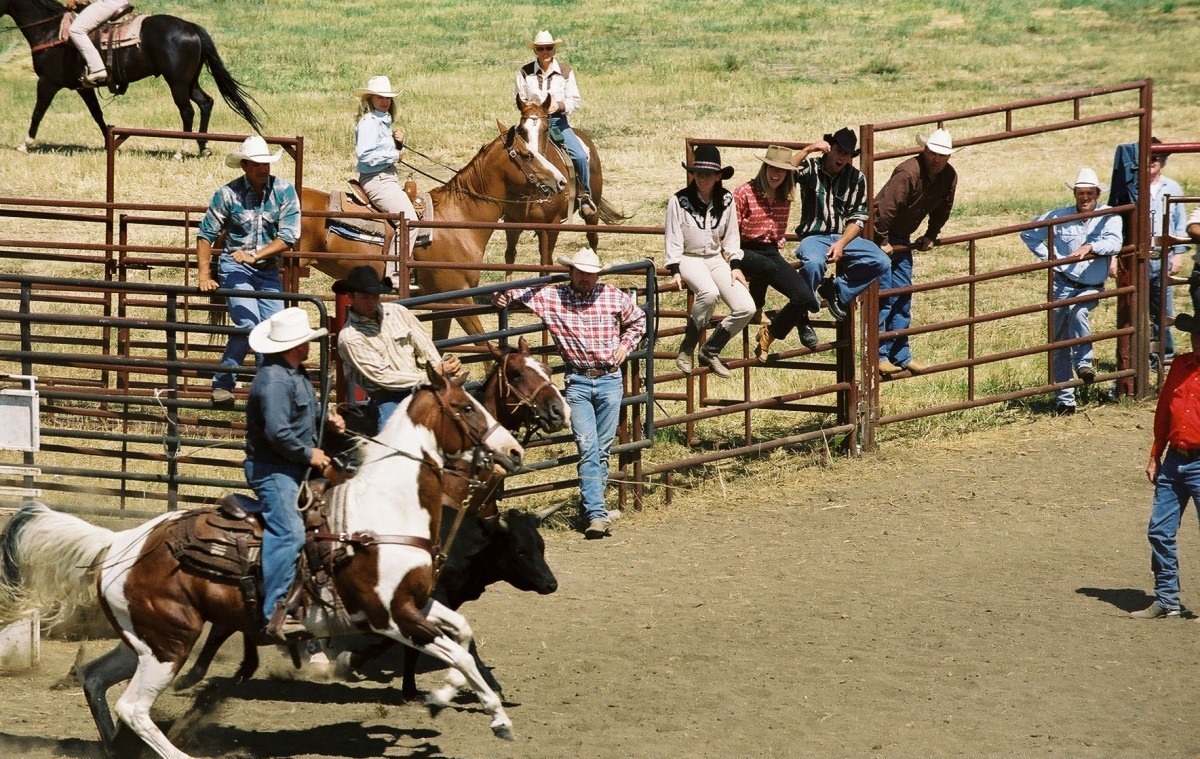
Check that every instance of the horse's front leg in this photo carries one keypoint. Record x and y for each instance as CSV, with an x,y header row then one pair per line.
x,y
463,670
46,90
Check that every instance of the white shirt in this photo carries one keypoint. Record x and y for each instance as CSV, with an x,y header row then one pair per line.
x,y
533,84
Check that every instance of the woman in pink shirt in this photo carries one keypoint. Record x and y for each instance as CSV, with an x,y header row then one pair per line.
x,y
762,206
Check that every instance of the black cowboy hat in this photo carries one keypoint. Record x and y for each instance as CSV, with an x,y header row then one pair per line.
x,y
363,279
708,158
1187,323
845,139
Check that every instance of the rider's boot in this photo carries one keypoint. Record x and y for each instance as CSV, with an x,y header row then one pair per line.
x,y
93,78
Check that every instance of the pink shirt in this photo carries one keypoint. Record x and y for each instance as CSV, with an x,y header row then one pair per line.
x,y
587,329
760,223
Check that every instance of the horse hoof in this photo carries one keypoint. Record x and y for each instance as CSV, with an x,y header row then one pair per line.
x,y
503,732
178,155
434,709
205,153
23,148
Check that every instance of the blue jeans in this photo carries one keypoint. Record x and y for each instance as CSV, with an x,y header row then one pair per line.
x,y
595,409
1178,480
277,487
862,263
575,149
245,313
387,403
895,311
1071,322
1156,281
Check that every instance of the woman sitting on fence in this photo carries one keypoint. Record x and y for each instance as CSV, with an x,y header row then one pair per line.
x,y
704,251
762,206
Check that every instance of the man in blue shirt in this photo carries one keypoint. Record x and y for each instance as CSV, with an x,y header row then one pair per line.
x,y
1160,187
282,424
260,216
1086,246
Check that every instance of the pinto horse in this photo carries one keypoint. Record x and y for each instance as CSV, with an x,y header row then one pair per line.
x,y
169,47
506,168
388,514
535,124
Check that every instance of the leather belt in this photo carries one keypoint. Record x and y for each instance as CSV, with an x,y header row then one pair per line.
x,y
590,373
1190,455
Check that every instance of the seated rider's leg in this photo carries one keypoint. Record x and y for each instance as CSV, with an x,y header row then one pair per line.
x,y
89,19
579,158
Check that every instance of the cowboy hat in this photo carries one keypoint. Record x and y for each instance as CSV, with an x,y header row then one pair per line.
x,y
585,259
845,139
1086,178
708,158
1187,323
377,85
254,148
544,37
939,142
777,156
283,331
363,279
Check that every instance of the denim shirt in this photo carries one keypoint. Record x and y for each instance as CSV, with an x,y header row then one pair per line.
x,y
374,147
251,224
282,414
1158,202
1103,232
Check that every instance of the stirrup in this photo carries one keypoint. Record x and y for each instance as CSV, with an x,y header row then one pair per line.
x,y
94,78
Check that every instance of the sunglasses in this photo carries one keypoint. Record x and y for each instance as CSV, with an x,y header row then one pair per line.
x,y
544,48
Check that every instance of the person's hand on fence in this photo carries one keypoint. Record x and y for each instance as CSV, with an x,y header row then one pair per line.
x,y
677,280
451,365
207,283
923,243
1174,264
500,300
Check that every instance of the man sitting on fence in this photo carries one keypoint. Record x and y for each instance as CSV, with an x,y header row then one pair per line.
x,y
383,347
920,187
833,212
260,216
1087,247
596,326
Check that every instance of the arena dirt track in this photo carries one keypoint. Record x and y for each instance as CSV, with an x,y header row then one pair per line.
x,y
967,599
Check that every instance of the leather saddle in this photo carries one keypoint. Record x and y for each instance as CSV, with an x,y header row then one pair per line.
x,y
354,198
124,29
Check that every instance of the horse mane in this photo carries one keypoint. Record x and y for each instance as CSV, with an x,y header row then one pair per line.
x,y
466,174
49,6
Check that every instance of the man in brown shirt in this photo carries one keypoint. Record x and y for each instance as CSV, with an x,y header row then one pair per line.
x,y
920,187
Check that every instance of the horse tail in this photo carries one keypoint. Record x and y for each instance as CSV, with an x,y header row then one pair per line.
x,y
49,561
609,214
233,91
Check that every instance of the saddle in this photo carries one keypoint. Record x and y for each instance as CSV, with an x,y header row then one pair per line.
x,y
122,30
224,544
354,198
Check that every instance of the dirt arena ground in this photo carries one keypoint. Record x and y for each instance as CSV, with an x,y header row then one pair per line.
x,y
964,599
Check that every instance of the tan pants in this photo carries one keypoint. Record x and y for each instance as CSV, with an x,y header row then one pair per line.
x,y
89,19
385,192
709,277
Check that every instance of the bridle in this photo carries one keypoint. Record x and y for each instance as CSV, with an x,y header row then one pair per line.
x,y
524,400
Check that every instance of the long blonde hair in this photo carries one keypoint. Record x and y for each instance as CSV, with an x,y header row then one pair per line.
x,y
785,191
364,107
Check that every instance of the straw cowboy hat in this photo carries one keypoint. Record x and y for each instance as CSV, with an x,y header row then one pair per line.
x,y
363,279
283,331
254,148
377,85
707,158
777,156
1187,323
544,37
939,142
845,139
585,259
1086,178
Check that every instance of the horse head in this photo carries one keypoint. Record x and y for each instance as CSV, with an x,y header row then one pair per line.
x,y
526,145
521,393
456,422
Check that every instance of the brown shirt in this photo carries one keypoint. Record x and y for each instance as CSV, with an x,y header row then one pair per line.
x,y
909,196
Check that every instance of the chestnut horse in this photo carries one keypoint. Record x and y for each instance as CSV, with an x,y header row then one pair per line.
x,y
507,167
535,123
389,514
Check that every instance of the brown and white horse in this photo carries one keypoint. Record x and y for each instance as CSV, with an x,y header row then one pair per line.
x,y
505,169
535,128
159,608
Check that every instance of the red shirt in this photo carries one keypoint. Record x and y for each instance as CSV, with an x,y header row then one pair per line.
x,y
764,223
1177,416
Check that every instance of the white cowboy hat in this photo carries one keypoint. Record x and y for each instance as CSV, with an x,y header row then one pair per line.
x,y
544,37
377,85
254,148
939,142
777,156
1086,178
283,331
585,259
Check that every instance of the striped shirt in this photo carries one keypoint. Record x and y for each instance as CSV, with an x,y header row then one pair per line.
x,y
829,203
760,222
588,329
252,223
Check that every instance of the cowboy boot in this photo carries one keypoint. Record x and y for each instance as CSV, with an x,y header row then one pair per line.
x,y
690,338
709,354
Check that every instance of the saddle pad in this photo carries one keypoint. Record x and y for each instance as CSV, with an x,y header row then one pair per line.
x,y
124,32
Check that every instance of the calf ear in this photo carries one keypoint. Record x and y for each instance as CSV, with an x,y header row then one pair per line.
x,y
492,524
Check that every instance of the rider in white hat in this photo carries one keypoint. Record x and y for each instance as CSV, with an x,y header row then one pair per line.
x,y
260,215
546,76
282,422
919,188
1088,247
377,148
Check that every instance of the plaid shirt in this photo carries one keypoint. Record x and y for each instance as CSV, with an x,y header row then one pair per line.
x,y
587,329
829,203
252,224
760,222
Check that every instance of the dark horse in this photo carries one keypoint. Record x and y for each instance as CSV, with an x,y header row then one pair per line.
x,y
168,47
